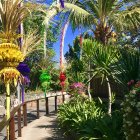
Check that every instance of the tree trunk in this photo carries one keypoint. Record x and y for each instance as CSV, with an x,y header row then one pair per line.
x,y
109,96
89,77
45,49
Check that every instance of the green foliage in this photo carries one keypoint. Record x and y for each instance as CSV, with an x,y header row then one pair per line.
x,y
107,128
37,63
131,110
75,64
34,22
55,82
84,120
129,65
72,116
103,59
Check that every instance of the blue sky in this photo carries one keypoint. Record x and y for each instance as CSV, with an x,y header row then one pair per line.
x,y
69,37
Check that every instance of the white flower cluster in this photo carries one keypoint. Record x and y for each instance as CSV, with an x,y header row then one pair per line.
x,y
131,116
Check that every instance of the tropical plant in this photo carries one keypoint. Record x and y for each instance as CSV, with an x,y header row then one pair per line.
x,y
84,120
72,116
105,128
87,54
129,65
74,63
104,59
103,17
108,16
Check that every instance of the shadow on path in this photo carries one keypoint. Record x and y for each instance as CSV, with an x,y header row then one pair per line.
x,y
52,125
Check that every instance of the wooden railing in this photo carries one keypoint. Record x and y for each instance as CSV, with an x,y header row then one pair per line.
x,y
23,116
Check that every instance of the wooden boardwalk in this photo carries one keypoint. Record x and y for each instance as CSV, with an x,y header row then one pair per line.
x,y
38,124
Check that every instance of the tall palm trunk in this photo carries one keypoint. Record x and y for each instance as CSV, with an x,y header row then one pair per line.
x,y
109,96
45,49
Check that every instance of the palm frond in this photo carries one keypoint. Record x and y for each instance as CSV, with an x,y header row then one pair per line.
x,y
12,13
126,19
30,43
75,10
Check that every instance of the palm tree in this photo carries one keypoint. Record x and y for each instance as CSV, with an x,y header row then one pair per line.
x,y
103,17
107,16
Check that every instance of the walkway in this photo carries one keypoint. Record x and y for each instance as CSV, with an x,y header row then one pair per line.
x,y
44,128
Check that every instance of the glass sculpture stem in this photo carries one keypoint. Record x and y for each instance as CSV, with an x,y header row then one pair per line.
x,y
8,106
22,92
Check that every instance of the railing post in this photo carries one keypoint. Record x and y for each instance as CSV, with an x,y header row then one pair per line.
x,y
12,128
55,103
37,102
63,98
47,105
19,122
25,114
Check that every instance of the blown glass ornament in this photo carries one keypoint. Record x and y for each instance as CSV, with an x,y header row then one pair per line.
x,y
62,79
23,69
10,55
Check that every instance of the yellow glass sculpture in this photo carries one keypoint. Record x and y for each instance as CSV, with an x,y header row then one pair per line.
x,y
10,57
12,13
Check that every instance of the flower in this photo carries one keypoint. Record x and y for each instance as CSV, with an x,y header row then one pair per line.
x,y
77,87
130,83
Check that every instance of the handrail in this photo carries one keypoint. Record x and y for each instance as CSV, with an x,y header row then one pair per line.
x,y
5,122
17,109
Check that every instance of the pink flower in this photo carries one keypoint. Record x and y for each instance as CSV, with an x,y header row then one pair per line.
x,y
77,87
132,81
129,83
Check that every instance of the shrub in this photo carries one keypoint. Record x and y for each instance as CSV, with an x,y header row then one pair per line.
x,y
73,116
105,128
131,116
86,121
